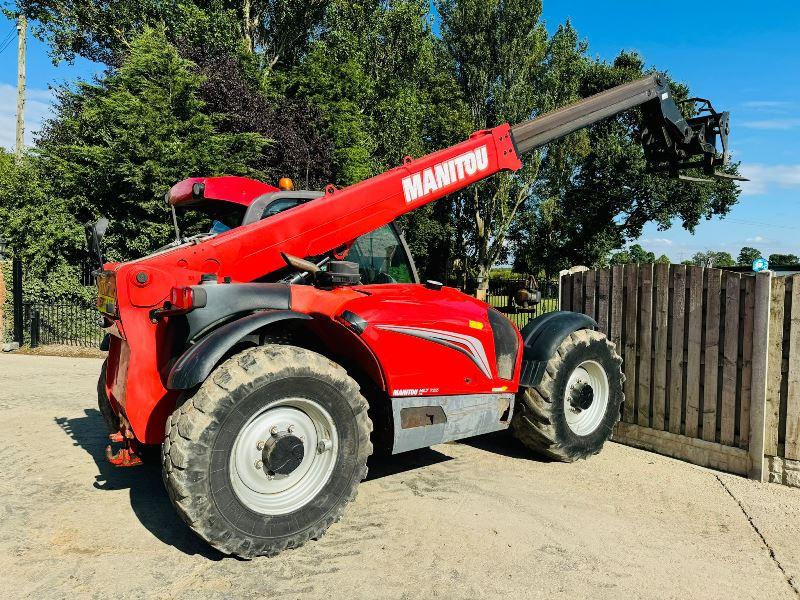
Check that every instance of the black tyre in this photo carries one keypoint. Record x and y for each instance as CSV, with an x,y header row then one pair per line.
x,y
104,404
268,452
572,412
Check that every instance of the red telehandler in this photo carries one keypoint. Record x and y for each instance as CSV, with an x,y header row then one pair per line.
x,y
261,354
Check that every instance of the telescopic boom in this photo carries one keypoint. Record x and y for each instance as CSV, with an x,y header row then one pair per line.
x,y
331,222
670,141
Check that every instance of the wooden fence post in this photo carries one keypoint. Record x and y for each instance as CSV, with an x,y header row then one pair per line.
x,y
631,343
758,387
792,439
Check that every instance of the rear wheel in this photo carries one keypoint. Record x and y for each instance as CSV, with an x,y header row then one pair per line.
x,y
572,412
268,452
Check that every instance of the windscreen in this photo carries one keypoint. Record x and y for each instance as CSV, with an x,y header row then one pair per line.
x,y
210,217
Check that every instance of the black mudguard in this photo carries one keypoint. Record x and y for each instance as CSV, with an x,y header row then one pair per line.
x,y
542,336
194,365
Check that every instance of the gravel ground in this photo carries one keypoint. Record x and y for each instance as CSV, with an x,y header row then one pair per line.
x,y
477,520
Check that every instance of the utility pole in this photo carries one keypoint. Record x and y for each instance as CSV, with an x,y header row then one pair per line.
x,y
22,30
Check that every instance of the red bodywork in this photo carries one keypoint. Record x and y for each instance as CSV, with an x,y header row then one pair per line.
x,y
394,350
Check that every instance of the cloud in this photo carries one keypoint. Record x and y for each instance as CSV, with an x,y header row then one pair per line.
x,y
757,239
37,109
657,241
773,124
762,177
768,105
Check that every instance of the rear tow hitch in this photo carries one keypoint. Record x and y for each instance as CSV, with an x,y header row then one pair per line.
x,y
127,456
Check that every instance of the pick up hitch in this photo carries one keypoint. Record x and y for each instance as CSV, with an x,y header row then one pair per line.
x,y
127,456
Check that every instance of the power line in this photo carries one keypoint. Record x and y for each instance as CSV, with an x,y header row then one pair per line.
x,y
6,41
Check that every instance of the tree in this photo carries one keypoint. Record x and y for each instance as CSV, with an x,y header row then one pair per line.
x,y
747,255
384,89
40,230
663,259
499,81
783,259
103,31
230,90
635,255
713,259
116,146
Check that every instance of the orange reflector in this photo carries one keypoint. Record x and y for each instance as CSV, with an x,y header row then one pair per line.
x,y
476,325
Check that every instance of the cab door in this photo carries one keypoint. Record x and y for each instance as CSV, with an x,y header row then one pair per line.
x,y
382,256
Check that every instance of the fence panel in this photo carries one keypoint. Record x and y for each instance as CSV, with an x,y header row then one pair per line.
x,y
645,344
677,365
711,354
660,332
62,323
686,336
630,340
774,360
730,354
694,351
748,321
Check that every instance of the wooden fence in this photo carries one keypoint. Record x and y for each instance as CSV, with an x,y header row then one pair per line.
x,y
711,360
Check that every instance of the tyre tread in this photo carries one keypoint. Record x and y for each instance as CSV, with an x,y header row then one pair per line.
x,y
188,432
533,422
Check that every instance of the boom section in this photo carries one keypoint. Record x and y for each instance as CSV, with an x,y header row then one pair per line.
x,y
342,215
671,142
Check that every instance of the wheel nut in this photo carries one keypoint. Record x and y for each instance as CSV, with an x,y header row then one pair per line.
x,y
274,430
291,429
324,446
259,464
260,446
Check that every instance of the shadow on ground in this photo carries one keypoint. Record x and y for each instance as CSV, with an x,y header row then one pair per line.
x,y
148,498
384,465
151,504
504,444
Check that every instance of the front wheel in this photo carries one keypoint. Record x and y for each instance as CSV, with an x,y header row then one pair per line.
x,y
572,412
268,452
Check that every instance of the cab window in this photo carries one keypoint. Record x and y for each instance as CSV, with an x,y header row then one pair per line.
x,y
280,205
381,257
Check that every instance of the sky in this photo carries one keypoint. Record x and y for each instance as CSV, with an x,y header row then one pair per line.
x,y
742,55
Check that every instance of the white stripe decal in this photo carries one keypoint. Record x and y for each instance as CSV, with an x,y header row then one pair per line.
x,y
472,346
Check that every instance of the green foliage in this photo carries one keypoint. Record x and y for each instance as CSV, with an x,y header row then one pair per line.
x,y
747,255
712,259
104,31
783,259
635,255
116,146
344,90
384,89
40,231
498,51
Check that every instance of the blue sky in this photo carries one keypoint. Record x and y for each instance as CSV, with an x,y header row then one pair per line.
x,y
743,56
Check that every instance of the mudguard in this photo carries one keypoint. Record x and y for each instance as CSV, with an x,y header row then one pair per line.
x,y
542,336
194,365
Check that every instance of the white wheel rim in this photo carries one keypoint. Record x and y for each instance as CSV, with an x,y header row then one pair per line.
x,y
586,397
260,489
